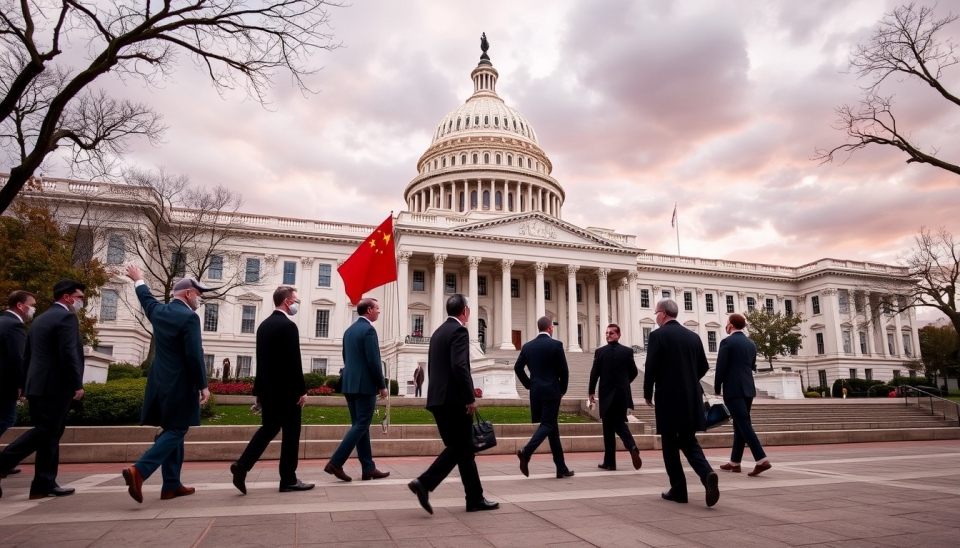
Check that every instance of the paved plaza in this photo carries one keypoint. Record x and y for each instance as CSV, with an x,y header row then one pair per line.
x,y
882,494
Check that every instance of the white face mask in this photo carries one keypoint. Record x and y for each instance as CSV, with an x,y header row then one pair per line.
x,y
30,312
198,302
294,308
77,305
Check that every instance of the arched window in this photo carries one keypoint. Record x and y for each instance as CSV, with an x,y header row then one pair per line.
x,y
466,122
434,164
453,160
458,124
519,161
486,199
510,202
498,200
473,199
498,159
486,157
463,159
496,121
450,125
509,160
460,206
444,163
529,164
486,120
476,120
521,128
475,157
514,125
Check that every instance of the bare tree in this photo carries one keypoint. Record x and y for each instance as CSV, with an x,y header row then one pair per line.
x,y
904,45
236,42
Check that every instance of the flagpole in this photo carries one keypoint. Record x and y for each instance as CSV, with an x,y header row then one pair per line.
x,y
385,424
677,218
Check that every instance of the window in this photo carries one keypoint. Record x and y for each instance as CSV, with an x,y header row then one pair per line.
x,y
579,293
473,199
769,306
322,329
788,307
449,283
289,273
179,263
847,342
208,364
498,159
644,298
215,270
843,300
853,373
475,158
498,200
252,272
481,285
646,335
822,374
514,288
546,291
751,304
890,346
211,317
820,349
886,307
863,342
486,158
896,373
323,274
419,283
712,341
318,365
108,305
730,307
243,365
486,199
912,373
509,160
463,157
906,344
665,294
510,201
108,350
248,318
417,324
461,206
868,374
708,301
688,301
115,249
815,302
859,300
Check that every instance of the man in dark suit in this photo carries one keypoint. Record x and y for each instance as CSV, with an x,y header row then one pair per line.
x,y
547,383
451,399
53,379
675,364
21,306
176,385
361,380
280,391
614,367
736,364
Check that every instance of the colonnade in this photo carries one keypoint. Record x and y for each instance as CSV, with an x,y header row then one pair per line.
x,y
458,197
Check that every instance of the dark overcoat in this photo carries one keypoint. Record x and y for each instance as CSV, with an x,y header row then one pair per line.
x,y
549,375
448,367
13,342
279,365
614,368
736,363
675,364
53,356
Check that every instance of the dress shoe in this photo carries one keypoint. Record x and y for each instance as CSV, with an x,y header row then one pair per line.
x,y
567,474
422,495
178,492
484,504
760,467
524,463
299,486
607,466
669,495
134,483
55,492
635,455
337,471
239,477
10,472
713,488
376,474
730,467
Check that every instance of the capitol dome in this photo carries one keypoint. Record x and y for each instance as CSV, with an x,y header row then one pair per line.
x,y
484,158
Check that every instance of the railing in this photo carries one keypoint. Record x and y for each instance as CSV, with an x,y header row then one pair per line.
x,y
949,410
416,340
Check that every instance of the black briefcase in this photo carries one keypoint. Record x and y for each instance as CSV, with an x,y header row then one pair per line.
x,y
483,436
717,414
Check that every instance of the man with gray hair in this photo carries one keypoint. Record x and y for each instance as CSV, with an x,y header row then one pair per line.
x,y
675,364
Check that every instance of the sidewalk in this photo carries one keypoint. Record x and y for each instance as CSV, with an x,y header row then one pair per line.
x,y
883,494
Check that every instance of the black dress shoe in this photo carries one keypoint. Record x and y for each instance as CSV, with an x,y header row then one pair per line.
x,y
482,505
603,466
635,455
667,495
566,474
524,463
11,472
422,494
55,492
239,477
299,486
713,489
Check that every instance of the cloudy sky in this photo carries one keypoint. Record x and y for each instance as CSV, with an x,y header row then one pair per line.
x,y
716,106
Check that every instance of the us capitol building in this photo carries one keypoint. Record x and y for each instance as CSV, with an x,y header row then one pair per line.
x,y
484,217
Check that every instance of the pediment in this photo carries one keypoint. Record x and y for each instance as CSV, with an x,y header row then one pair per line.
x,y
323,302
817,326
712,324
250,297
647,321
690,323
536,227
418,306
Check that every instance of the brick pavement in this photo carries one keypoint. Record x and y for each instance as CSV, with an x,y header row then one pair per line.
x,y
882,494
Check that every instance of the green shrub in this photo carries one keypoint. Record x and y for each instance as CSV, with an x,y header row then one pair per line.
x,y
313,380
394,388
881,390
117,371
332,381
811,394
117,402
250,380
856,388
209,409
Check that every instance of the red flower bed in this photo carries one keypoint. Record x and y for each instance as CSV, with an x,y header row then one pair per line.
x,y
478,393
231,388
321,391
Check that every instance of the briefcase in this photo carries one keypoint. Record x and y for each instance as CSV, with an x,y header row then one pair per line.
x,y
717,414
483,436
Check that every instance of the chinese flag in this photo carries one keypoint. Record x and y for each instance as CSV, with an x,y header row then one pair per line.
x,y
373,264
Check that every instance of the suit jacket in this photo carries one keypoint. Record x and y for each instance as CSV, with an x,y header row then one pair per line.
x,y
448,366
53,356
177,374
547,362
362,368
736,363
615,368
13,342
675,364
279,366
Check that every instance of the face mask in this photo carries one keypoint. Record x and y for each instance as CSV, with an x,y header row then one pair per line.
x,y
294,308
77,305
198,302
30,312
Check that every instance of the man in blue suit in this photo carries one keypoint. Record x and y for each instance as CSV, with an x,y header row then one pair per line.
x,y
176,386
361,380
736,364
547,383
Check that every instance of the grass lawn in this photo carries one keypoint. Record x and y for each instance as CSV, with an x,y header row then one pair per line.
x,y
229,415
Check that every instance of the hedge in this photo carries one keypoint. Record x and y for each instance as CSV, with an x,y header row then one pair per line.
x,y
313,380
811,394
117,371
332,381
858,388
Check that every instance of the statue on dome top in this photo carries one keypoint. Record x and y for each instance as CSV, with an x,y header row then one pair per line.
x,y
484,46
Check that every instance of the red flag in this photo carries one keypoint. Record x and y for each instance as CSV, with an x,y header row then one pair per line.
x,y
373,264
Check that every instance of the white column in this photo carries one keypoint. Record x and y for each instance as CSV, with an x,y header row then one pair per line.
x,y
830,307
403,291
634,307
898,335
531,310
572,344
473,324
561,297
602,274
493,330
506,342
591,297
529,196
541,309
439,308
624,313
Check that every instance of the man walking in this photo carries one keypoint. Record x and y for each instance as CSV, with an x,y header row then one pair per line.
x,y
176,385
21,306
451,399
736,364
280,391
361,380
675,364
547,383
615,369
53,379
